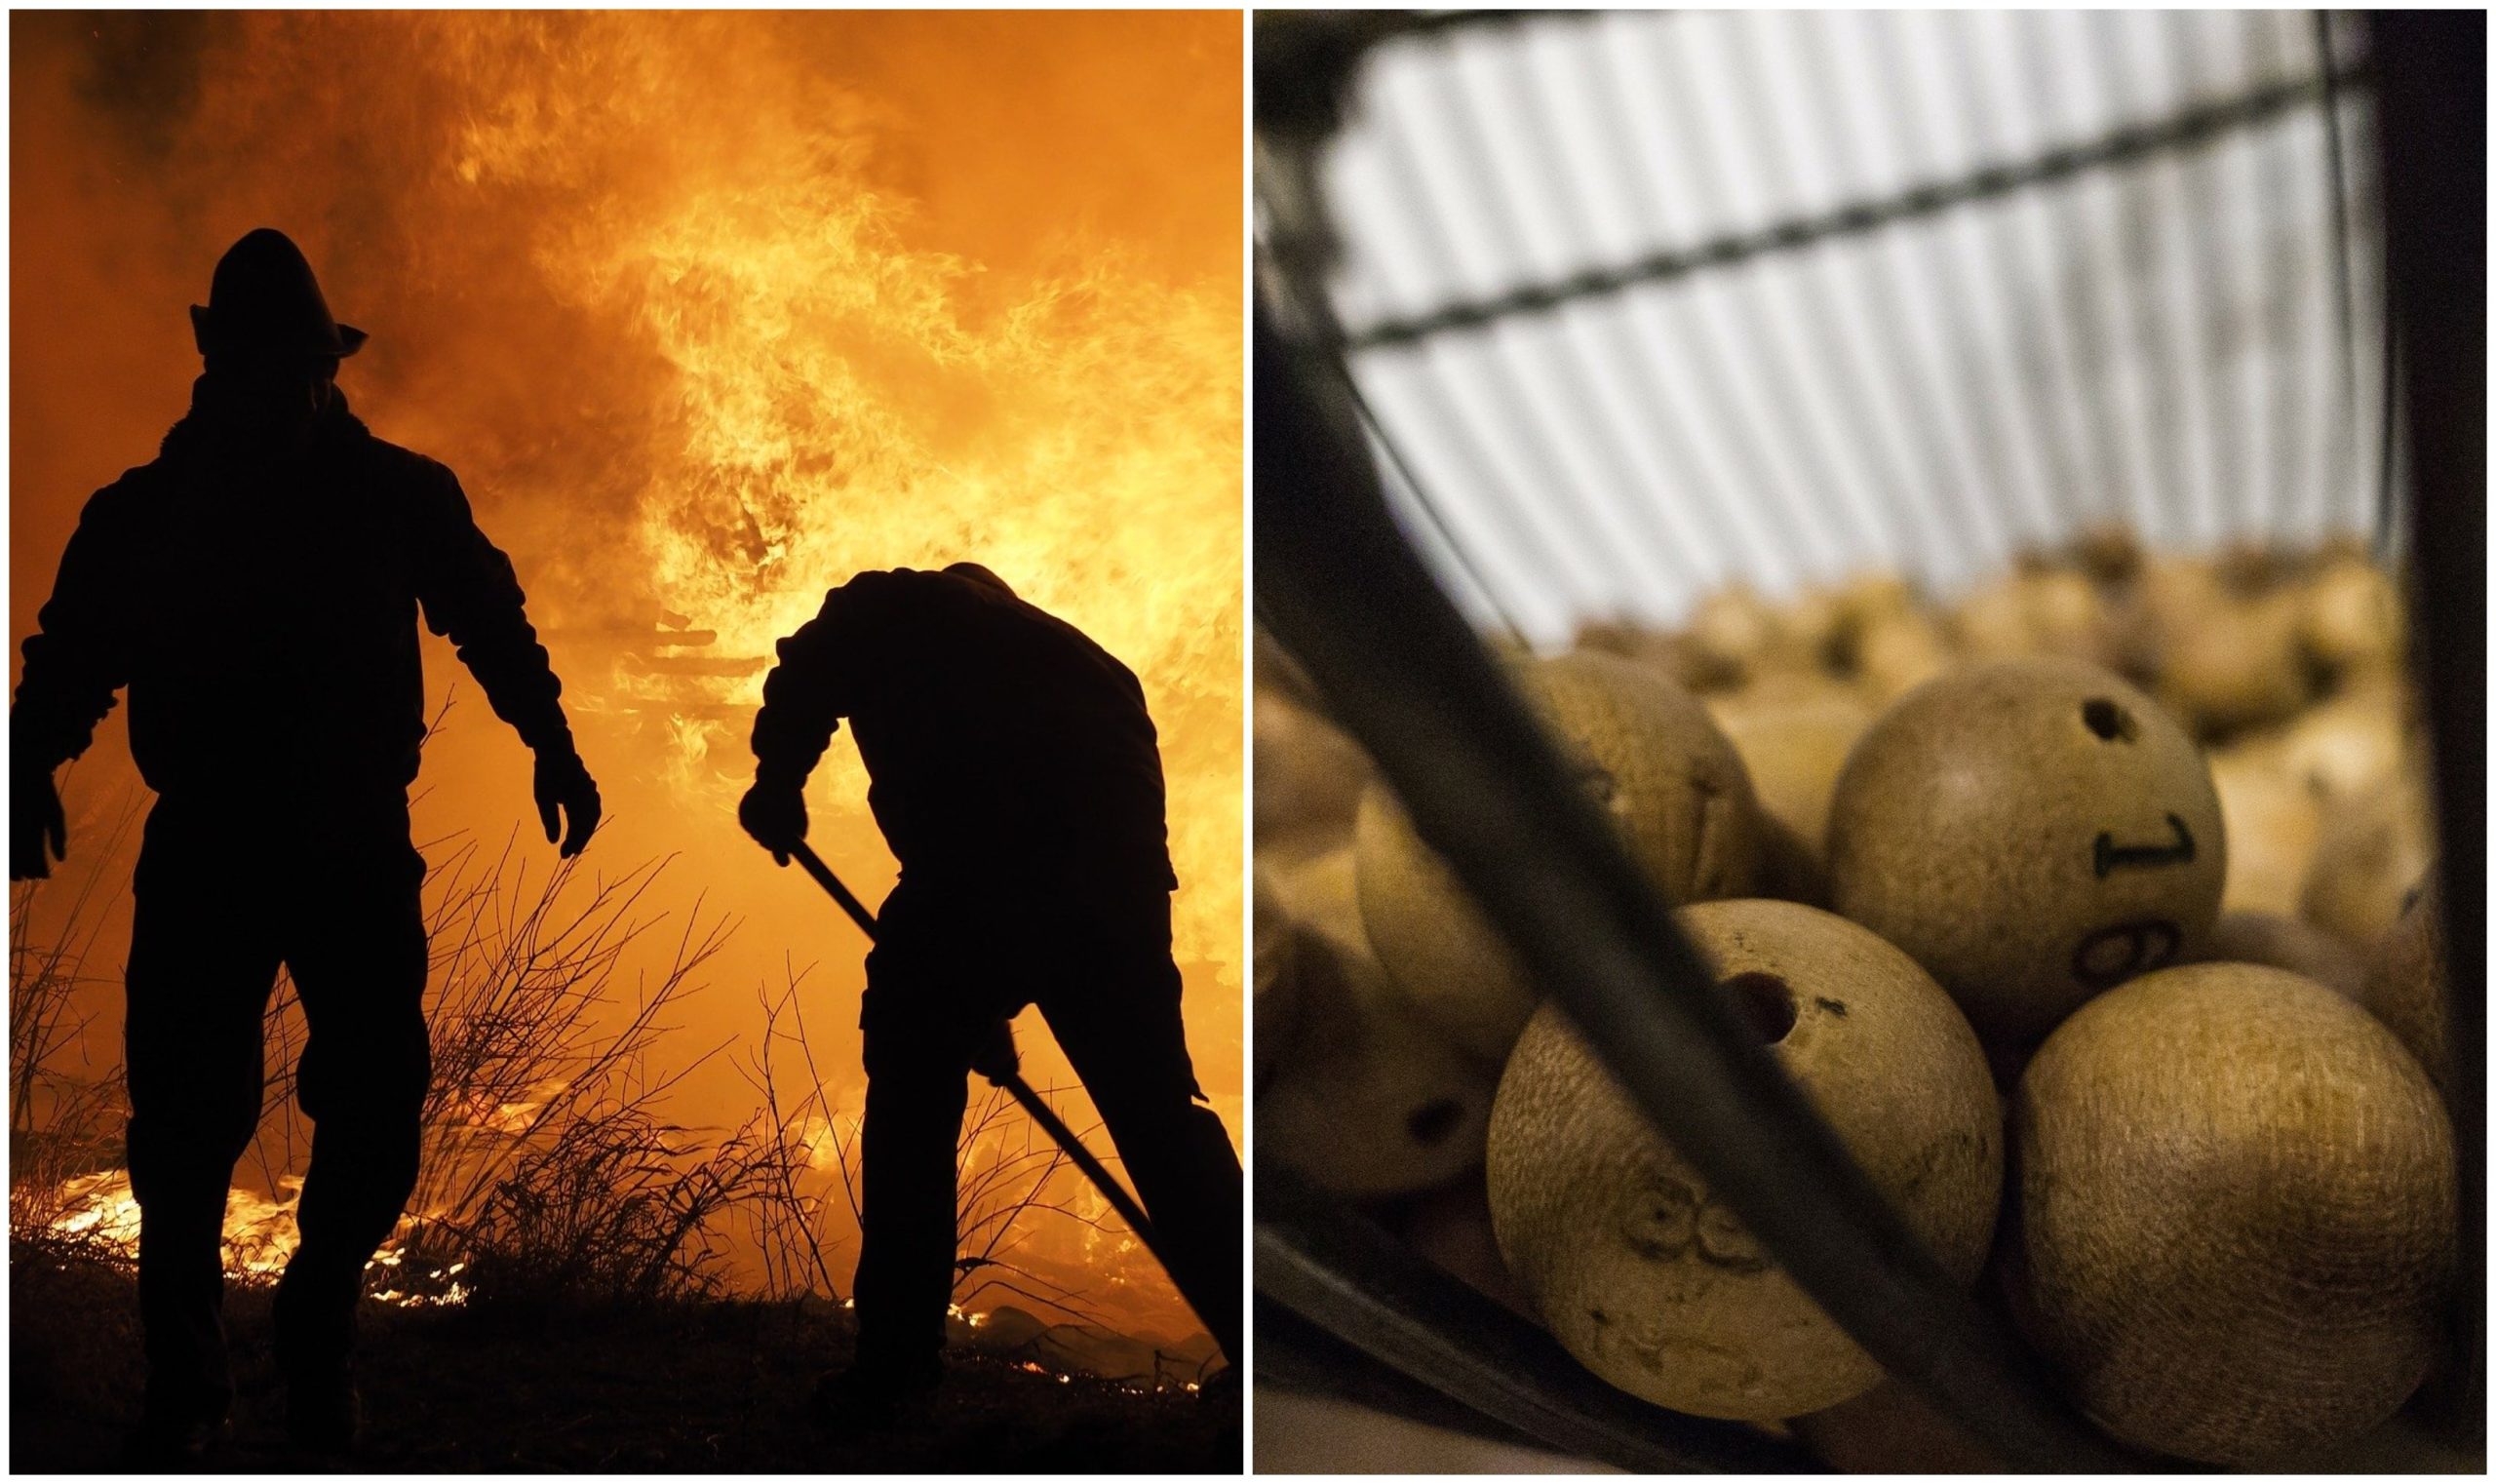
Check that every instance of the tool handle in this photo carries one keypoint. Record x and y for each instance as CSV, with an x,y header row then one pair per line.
x,y
995,1058
1084,1159
1006,1071
803,854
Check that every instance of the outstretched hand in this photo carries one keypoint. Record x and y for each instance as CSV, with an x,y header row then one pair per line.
x,y
567,796
775,815
38,830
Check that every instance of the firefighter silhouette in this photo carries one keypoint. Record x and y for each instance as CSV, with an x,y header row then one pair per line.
x,y
256,589
1017,778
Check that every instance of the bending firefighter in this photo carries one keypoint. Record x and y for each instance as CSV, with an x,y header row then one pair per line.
x,y
256,588
1017,776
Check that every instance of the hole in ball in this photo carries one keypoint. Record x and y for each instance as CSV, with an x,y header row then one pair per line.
x,y
2110,722
1433,1122
1765,1002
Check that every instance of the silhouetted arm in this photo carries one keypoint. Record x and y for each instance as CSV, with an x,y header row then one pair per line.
x,y
80,653
815,683
472,596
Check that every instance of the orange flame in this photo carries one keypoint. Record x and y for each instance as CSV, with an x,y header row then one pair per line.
x,y
708,312
261,1235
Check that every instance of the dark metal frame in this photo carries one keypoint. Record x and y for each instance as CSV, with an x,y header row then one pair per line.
x,y
2433,100
1340,587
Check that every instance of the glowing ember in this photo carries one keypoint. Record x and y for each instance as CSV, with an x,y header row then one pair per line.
x,y
823,1143
100,1207
259,1232
509,1119
261,1235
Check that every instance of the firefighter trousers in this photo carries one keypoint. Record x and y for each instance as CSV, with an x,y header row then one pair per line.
x,y
220,905
947,966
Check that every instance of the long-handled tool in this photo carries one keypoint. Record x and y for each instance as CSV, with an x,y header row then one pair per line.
x,y
1000,1063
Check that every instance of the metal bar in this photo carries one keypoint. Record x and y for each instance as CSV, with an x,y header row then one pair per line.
x,y
2085,496
1837,340
1948,275
2126,497
2121,146
1344,1274
2342,463
2296,333
2280,379
1933,382
1448,428
2388,413
1703,492
1435,523
1560,486
1702,348
1302,280
1437,23
2275,320
2079,352
2369,495
2163,402
2200,193
1295,1355
1463,116
1486,787
1513,397
1950,278
2432,132
1808,441
1627,352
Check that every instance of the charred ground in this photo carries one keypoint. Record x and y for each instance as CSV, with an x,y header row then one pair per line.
x,y
677,1386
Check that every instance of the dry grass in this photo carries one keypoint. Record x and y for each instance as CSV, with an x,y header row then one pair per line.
x,y
552,1173
61,1127
1006,1175
551,1170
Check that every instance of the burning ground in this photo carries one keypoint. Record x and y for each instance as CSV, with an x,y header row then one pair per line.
x,y
575,1285
716,1387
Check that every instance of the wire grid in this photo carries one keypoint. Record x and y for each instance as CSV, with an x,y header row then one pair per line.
x,y
1643,304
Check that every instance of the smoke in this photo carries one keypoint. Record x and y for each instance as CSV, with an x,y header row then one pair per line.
x,y
708,312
